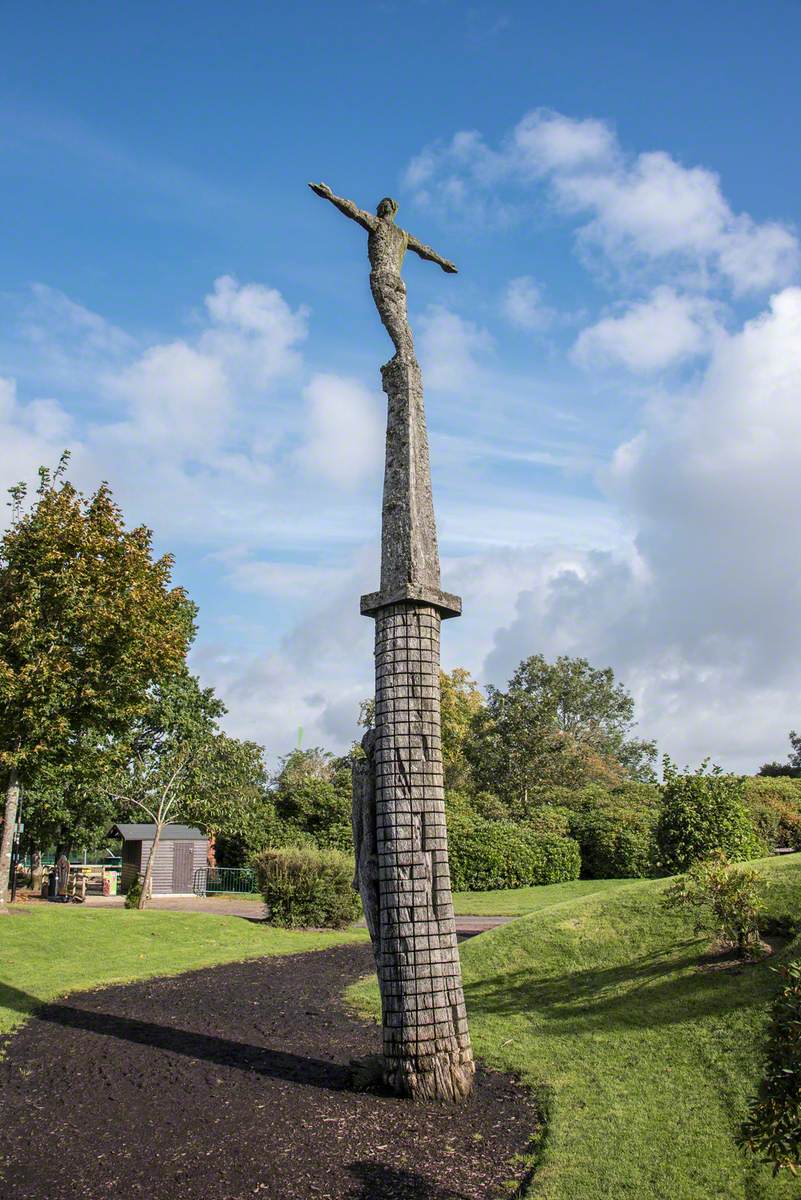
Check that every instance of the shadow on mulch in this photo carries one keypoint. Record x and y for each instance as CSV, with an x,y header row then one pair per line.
x,y
234,1082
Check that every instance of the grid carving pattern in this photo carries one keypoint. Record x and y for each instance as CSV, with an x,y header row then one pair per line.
x,y
424,1016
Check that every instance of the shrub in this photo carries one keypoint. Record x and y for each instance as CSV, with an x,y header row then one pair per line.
x,y
775,809
773,1127
616,843
549,819
485,855
727,900
304,887
614,826
703,813
134,893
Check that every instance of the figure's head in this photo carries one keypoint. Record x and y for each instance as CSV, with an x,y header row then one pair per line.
x,y
387,208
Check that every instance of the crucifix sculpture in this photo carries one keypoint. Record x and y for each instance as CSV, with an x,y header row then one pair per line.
x,y
398,798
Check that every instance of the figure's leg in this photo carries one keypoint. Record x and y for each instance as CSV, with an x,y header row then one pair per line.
x,y
389,293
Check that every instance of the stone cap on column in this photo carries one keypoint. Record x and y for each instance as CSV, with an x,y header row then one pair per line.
x,y
447,604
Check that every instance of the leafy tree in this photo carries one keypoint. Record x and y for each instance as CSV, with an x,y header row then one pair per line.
x,y
313,794
563,723
87,622
183,769
792,767
461,702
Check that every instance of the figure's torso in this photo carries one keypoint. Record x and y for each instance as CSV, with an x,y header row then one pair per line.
x,y
386,246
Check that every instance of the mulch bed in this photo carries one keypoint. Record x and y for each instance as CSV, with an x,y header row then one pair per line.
x,y
233,1082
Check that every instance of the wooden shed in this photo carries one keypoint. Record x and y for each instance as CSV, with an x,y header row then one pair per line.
x,y
182,850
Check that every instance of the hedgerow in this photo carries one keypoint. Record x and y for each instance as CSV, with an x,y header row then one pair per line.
x,y
486,855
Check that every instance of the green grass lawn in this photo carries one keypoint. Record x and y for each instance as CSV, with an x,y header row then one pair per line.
x,y
644,1062
515,902
48,950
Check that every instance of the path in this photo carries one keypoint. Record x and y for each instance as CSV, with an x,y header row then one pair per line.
x,y
232,1082
224,906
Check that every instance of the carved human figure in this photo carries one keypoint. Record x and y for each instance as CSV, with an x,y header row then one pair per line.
x,y
365,879
387,244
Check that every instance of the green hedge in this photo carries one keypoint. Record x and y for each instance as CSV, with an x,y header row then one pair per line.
x,y
486,855
615,843
702,813
774,806
304,887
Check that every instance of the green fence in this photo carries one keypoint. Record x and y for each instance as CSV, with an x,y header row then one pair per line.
x,y
212,881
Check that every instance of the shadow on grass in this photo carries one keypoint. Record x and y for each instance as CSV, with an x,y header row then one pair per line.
x,y
649,991
277,1064
392,1183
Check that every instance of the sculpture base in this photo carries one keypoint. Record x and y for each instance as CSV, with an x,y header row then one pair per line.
x,y
444,1077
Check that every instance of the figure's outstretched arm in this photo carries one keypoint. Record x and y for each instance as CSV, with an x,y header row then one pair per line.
x,y
365,219
431,255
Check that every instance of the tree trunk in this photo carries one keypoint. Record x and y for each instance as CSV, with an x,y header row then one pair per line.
x,y
37,871
6,842
147,882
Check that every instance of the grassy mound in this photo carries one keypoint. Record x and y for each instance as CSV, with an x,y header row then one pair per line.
x,y
53,949
643,1062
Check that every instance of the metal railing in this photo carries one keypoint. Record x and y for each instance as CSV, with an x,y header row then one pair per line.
x,y
212,881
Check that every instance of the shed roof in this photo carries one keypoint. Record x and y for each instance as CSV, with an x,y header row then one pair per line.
x,y
146,833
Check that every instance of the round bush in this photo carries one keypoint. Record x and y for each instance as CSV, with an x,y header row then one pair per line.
x,y
701,814
305,887
487,855
616,843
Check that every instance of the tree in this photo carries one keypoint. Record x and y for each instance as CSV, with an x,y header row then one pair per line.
x,y
87,621
313,793
557,724
183,768
792,767
461,702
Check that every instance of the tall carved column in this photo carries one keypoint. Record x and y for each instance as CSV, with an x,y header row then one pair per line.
x,y
427,1053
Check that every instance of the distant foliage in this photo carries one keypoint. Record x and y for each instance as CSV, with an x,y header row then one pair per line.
x,y
550,819
773,1127
485,855
564,723
615,828
774,805
305,887
702,813
792,767
726,900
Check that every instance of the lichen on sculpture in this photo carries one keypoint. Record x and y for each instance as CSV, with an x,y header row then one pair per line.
x,y
399,830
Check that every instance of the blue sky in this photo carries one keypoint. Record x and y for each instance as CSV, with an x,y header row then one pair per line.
x,y
613,379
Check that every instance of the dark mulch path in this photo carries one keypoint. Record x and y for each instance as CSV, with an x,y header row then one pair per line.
x,y
233,1082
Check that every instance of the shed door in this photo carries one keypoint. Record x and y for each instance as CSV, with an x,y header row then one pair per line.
x,y
182,867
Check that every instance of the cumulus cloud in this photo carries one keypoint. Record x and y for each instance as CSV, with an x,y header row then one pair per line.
x,y
523,304
639,210
344,431
701,616
652,334
451,348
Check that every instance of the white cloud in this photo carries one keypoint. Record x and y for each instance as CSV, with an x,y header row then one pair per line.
x,y
451,348
344,431
701,619
651,334
31,435
178,399
641,210
523,304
